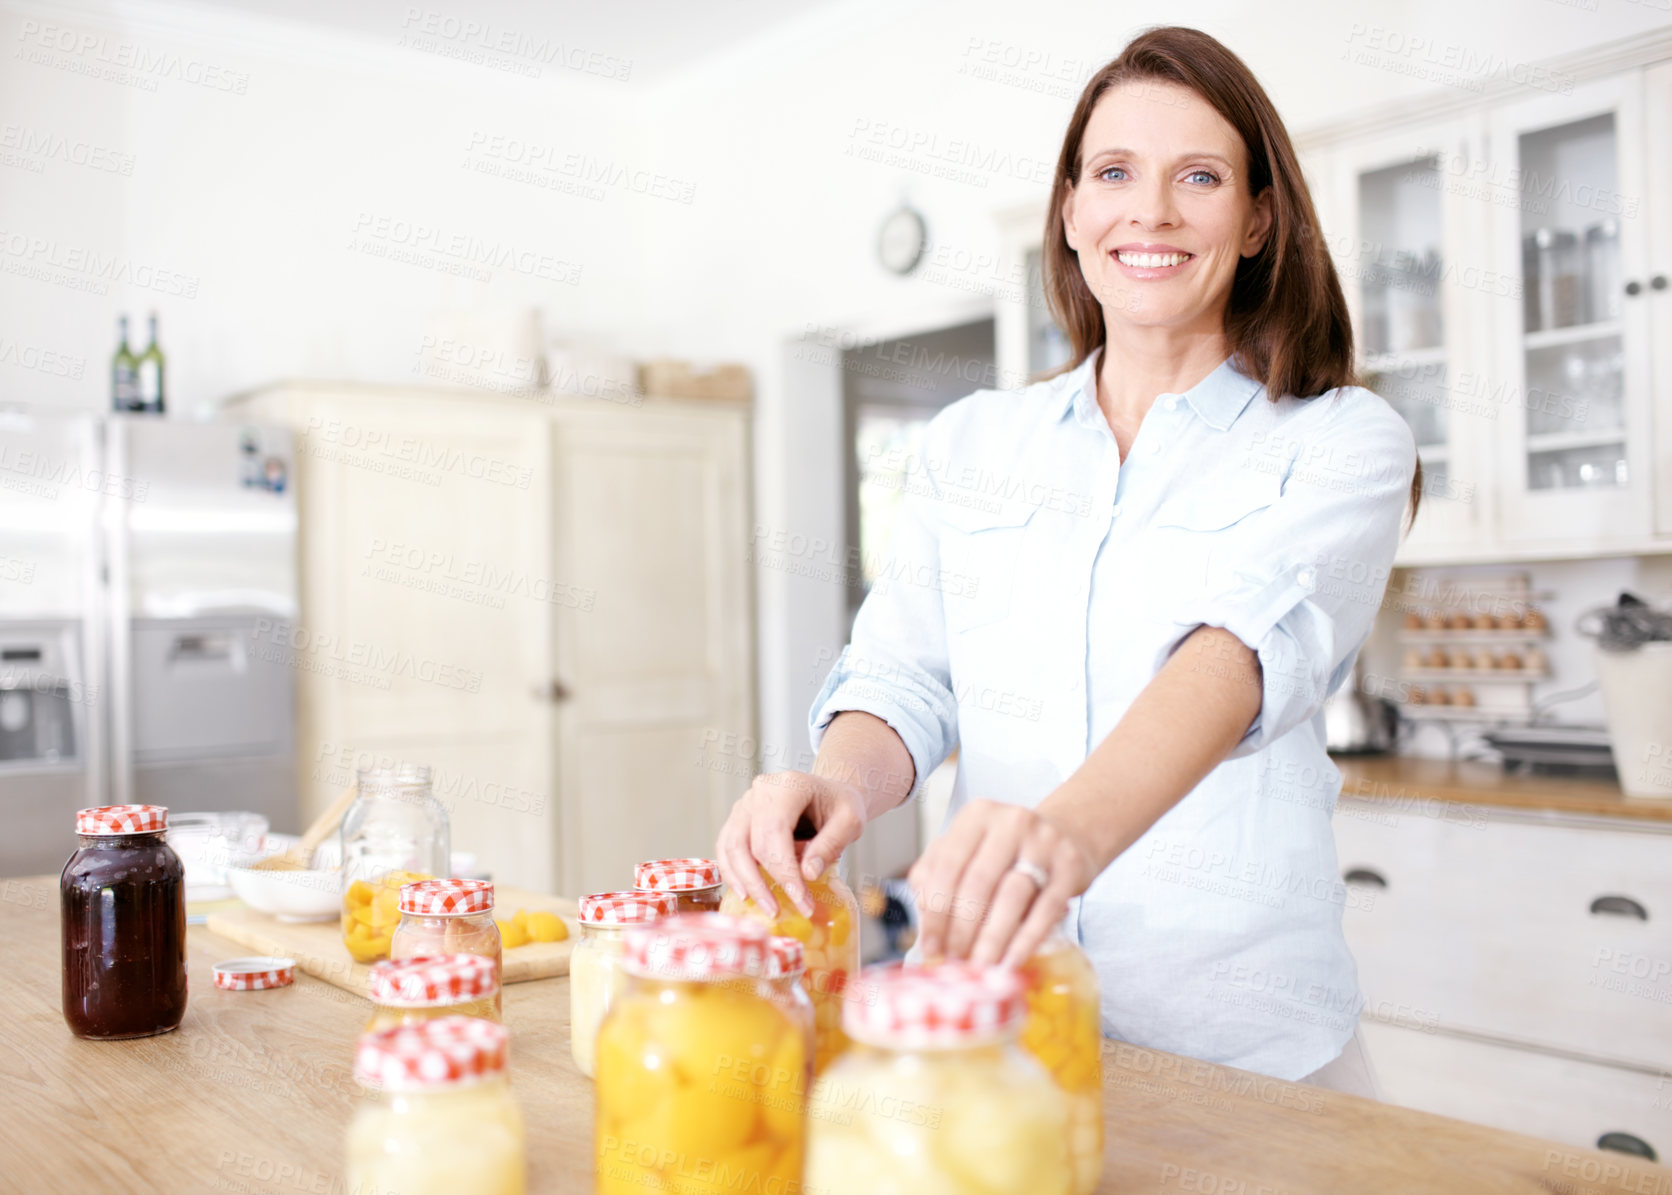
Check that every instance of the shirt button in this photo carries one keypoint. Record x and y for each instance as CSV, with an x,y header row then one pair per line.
x,y
1114,511
1173,402
1305,578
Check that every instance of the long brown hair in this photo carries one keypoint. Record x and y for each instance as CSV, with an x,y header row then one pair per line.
x,y
1287,319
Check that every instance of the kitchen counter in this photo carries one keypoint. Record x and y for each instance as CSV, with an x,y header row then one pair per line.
x,y
252,1094
1408,778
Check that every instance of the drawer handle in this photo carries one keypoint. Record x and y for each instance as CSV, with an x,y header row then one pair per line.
x,y
1625,1143
1619,906
1363,875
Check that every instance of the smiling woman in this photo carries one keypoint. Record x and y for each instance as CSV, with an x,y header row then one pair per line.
x,y
1170,633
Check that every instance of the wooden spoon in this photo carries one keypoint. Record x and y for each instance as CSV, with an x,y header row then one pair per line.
x,y
300,856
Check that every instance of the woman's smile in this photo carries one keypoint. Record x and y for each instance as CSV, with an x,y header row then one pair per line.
x,y
1145,262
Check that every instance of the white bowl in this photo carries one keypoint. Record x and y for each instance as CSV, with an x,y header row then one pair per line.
x,y
312,895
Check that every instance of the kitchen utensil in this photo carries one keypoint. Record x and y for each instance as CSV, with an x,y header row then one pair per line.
x,y
322,827
291,893
1357,723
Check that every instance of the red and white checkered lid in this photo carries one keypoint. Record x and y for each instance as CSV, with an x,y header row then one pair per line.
x,y
784,957
697,946
676,875
254,974
446,898
626,908
433,982
945,1004
122,819
438,1053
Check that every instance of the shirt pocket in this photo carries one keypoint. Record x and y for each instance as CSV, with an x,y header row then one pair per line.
x,y
1219,505
980,553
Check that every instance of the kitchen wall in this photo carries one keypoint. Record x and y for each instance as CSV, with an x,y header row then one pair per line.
x,y
262,194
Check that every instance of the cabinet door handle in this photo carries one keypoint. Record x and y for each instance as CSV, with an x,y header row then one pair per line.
x,y
1658,282
1619,906
1364,875
1626,1143
554,692
1634,288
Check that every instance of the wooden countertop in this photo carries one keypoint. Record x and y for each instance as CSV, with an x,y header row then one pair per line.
x,y
252,1094
1408,778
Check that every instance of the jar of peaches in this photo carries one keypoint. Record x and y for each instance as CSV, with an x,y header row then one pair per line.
x,y
395,833
830,940
935,1094
695,883
422,989
785,965
1064,1030
595,975
441,1117
449,917
700,1075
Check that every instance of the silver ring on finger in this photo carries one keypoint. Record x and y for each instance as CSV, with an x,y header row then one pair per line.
x,y
1032,871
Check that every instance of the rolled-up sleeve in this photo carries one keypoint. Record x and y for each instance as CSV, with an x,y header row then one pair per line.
x,y
1300,582
895,666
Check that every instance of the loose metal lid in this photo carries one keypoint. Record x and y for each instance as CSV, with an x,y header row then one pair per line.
x,y
122,819
432,982
676,875
944,1004
254,974
446,898
626,908
697,946
438,1053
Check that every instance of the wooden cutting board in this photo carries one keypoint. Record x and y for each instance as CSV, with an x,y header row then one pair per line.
x,y
317,946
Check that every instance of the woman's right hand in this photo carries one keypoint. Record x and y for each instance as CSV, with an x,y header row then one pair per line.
x,y
760,833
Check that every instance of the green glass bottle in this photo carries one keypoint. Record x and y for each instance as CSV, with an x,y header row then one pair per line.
x,y
124,373
150,371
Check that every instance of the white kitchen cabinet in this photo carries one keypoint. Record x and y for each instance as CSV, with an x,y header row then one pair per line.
x,y
1541,934
1575,458
549,603
1657,132
1401,237
1524,1091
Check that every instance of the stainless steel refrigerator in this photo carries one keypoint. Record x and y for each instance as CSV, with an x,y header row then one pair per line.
x,y
142,560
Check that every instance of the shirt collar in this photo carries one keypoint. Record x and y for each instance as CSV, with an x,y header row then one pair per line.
x,y
1218,398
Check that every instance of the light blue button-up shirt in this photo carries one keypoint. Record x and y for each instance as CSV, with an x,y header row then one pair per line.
x,y
1036,583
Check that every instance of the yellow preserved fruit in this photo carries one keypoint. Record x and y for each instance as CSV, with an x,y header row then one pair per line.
x,y
386,1016
371,910
701,1088
980,1120
830,940
1064,1031
440,1142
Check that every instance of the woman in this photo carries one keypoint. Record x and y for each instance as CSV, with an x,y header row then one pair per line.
x,y
1150,571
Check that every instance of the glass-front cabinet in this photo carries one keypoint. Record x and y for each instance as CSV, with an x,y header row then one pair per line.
x,y
1575,457
1399,233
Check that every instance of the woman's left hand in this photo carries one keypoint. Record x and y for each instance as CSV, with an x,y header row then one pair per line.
x,y
994,885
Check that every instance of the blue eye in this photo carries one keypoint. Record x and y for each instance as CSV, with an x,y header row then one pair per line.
x,y
1208,174
1104,173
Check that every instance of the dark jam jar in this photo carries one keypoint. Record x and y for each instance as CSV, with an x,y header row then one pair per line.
x,y
124,920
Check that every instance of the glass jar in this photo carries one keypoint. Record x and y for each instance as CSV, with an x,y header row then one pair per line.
x,y
700,1076
123,917
449,917
695,883
785,965
595,975
441,1118
395,833
414,990
830,938
935,1094
1064,1030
